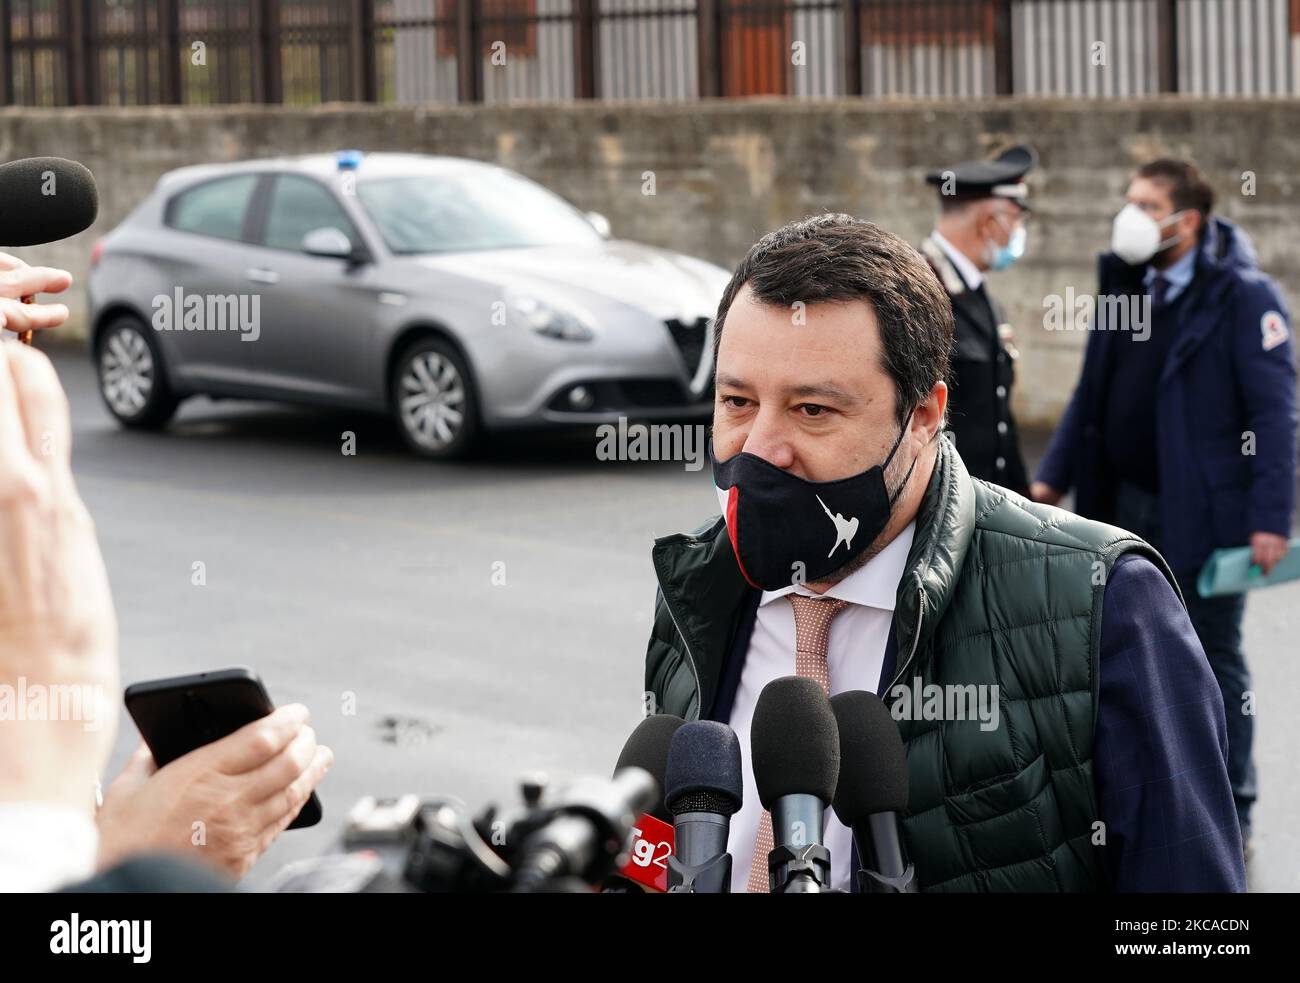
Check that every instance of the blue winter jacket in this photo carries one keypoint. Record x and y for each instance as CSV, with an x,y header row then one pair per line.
x,y
1225,406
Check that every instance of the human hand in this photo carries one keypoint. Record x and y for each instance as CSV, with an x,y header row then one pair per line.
x,y
1040,491
18,280
58,633
1266,549
222,804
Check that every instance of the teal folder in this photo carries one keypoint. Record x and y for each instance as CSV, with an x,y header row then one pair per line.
x,y
1231,572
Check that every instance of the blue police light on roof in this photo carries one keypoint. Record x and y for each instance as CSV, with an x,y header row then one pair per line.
x,y
348,160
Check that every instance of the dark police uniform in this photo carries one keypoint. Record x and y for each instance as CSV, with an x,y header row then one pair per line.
x,y
983,357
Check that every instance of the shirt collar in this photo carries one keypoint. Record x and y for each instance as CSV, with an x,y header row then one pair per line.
x,y
1179,275
873,585
970,273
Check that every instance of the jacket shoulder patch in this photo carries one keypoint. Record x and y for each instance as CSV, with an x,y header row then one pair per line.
x,y
1274,330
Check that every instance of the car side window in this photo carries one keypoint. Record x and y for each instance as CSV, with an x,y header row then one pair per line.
x,y
214,208
298,206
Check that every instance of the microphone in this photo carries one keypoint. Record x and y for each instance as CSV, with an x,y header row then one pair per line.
x,y
652,837
705,788
589,830
647,748
872,791
44,199
795,746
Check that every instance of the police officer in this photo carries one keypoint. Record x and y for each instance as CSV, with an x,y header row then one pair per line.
x,y
981,228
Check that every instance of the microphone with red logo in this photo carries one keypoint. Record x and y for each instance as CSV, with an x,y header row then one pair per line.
x,y
872,791
705,788
652,838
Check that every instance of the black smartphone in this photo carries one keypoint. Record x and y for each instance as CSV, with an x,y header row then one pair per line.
x,y
177,715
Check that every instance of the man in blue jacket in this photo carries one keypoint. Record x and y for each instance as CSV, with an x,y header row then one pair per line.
x,y
1182,427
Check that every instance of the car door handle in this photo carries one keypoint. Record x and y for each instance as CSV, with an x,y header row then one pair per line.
x,y
262,275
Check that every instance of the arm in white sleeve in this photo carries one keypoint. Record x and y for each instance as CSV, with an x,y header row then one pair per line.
x,y
44,846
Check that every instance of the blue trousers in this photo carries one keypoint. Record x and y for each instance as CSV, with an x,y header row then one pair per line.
x,y
1217,621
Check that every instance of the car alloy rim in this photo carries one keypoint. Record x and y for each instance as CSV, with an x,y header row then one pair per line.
x,y
432,400
126,371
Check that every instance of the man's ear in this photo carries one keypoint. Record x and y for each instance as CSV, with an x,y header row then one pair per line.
x,y
928,417
991,224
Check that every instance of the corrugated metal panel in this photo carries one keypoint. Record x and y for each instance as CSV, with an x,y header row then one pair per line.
x,y
1100,48
1236,48
647,49
423,67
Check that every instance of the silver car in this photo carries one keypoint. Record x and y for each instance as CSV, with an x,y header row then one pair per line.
x,y
457,295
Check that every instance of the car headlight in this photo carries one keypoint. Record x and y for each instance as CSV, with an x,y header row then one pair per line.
x,y
549,320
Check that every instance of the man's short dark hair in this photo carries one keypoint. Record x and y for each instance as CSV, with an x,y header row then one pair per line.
x,y
836,257
1185,183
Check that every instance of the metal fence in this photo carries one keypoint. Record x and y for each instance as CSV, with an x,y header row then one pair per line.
x,y
301,52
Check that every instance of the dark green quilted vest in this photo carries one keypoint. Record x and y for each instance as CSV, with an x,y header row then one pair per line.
x,y
999,591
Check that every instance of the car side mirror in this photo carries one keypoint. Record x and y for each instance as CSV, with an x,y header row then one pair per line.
x,y
600,223
328,242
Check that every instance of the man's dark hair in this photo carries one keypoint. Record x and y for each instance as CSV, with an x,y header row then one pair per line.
x,y
835,256
1185,183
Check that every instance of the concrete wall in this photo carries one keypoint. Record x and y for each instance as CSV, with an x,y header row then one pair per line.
x,y
726,172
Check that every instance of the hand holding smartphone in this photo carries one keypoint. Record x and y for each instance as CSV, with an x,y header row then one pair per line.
x,y
179,714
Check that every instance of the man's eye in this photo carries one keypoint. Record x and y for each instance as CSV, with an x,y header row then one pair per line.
x,y
813,409
735,402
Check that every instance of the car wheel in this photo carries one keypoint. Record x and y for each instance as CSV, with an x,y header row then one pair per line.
x,y
434,400
132,380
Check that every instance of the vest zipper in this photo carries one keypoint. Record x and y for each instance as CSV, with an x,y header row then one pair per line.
x,y
916,638
686,649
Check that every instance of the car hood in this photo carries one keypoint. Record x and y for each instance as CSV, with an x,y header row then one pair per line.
x,y
660,282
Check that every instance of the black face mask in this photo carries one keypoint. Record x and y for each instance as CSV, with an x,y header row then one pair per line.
x,y
785,529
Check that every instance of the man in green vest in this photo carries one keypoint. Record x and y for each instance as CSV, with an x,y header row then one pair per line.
x,y
1092,752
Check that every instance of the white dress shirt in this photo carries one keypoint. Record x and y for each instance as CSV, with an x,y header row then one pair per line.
x,y
855,654
44,846
968,270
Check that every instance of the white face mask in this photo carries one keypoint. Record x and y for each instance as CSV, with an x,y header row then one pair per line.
x,y
1135,235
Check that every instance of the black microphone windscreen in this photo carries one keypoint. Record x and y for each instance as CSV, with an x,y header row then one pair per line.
x,y
648,748
873,762
794,742
44,199
704,773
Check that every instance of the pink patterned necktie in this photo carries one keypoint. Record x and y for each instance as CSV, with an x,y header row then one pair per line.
x,y
812,632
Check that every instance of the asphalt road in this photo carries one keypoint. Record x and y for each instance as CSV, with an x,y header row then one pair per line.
x,y
366,583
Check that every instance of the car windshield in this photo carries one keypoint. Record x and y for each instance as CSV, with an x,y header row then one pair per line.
x,y
487,209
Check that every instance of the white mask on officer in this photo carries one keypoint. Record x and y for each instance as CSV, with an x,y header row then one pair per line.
x,y
1135,235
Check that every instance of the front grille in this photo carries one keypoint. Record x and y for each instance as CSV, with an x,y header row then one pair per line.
x,y
689,337
652,393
